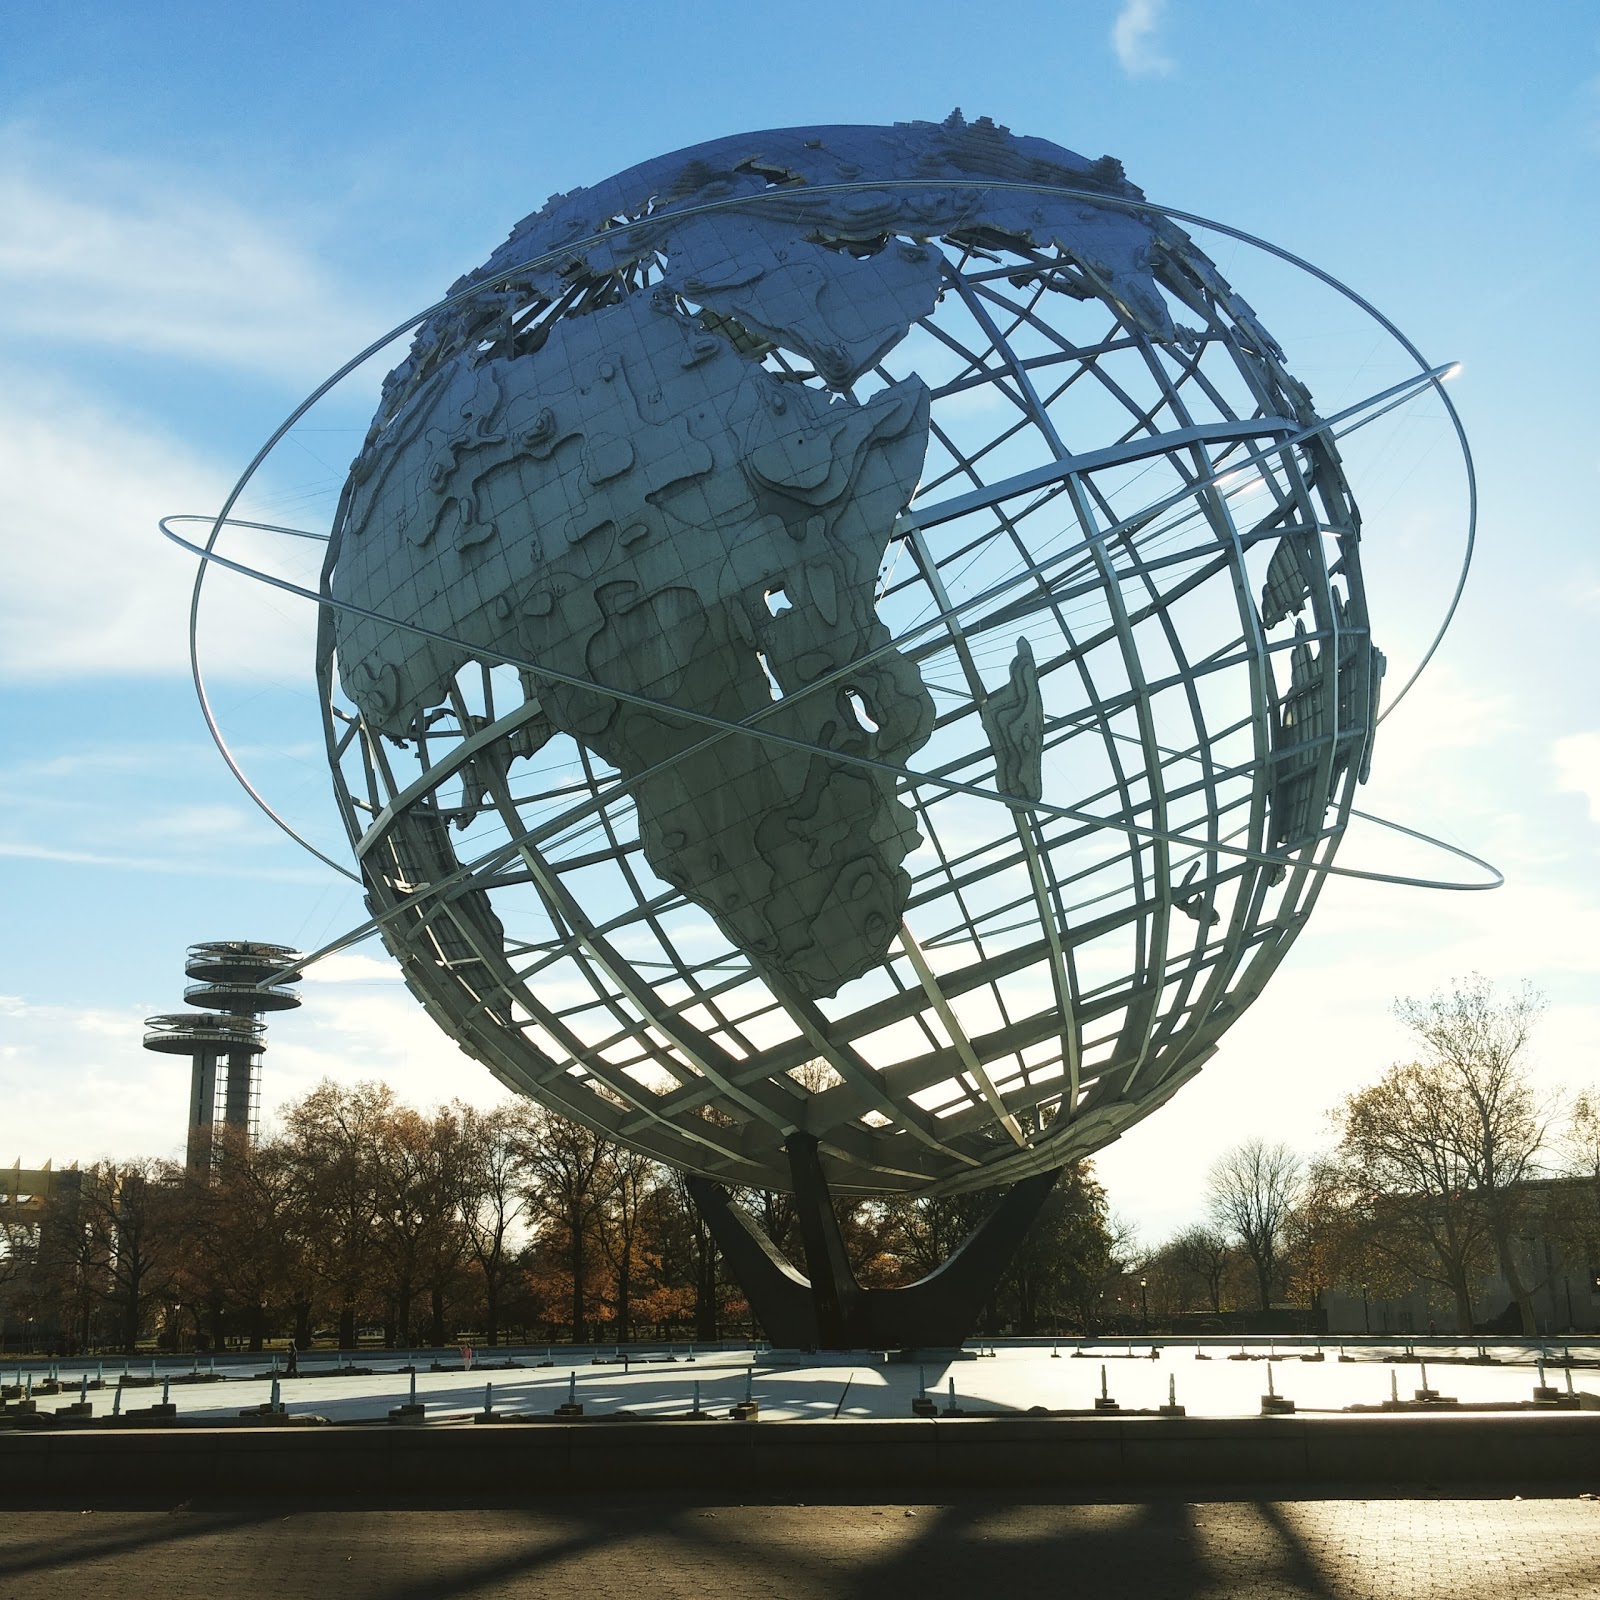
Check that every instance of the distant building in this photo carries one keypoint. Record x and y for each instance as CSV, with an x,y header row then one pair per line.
x,y
1558,1256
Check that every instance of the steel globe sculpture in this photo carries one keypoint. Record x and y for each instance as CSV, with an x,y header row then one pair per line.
x,y
846,662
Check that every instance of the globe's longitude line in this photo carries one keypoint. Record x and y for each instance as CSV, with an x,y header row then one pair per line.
x,y
929,569
1023,314
1077,653
1244,908
1185,677
1046,913
1047,897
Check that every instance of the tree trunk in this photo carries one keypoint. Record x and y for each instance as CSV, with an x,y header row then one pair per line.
x,y
436,1318
491,1310
577,1281
1508,1271
1263,1281
347,1326
706,1330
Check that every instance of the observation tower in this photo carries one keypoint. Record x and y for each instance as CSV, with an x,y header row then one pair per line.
x,y
228,1032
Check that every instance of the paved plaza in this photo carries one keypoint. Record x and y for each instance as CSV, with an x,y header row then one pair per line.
x,y
1239,1545
1207,1377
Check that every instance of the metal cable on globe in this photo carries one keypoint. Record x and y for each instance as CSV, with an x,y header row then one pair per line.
x,y
850,632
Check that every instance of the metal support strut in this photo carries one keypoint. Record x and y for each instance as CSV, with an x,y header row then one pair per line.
x,y
830,1310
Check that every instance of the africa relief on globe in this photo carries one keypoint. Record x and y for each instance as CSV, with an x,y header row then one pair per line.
x,y
849,629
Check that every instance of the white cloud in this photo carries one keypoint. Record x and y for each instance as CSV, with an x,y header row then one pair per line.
x,y
1442,714
88,585
25,850
130,257
1134,38
164,806
1577,759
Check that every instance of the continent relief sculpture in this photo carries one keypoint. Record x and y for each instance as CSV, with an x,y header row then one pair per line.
x,y
846,665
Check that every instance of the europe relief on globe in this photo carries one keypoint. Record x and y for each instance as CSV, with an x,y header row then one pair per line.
x,y
852,630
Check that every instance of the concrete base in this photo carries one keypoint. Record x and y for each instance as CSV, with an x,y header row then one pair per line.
x,y
570,1408
1275,1405
408,1413
844,1456
746,1411
1102,1403
78,1408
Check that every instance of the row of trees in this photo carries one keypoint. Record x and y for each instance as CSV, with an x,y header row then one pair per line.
x,y
364,1214
1442,1175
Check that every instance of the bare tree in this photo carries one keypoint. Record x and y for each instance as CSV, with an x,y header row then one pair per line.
x,y
1203,1255
490,1195
1251,1192
1475,1044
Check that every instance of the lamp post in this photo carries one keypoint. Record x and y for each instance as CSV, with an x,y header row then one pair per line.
x,y
1144,1305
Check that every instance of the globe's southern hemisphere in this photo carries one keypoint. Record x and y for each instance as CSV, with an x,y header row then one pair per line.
x,y
851,630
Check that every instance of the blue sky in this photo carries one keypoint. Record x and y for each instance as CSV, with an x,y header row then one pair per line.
x,y
204,210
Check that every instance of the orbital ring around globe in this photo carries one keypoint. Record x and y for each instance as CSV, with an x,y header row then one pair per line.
x,y
944,1000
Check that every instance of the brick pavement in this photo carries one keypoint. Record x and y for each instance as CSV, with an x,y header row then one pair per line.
x,y
1420,1547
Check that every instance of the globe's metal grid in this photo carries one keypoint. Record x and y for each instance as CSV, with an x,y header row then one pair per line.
x,y
1057,977
1209,743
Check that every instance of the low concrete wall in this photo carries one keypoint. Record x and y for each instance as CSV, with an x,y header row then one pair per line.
x,y
846,1456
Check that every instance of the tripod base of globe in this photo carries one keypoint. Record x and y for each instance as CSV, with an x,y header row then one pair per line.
x,y
829,1309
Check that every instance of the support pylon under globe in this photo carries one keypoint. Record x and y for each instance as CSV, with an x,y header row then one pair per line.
x,y
828,1309
224,1040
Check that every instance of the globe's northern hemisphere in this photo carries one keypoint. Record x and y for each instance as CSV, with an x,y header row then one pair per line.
x,y
853,630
